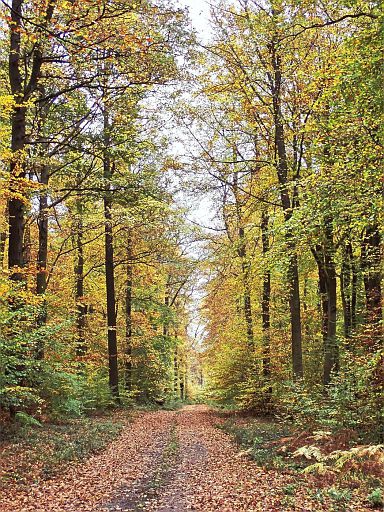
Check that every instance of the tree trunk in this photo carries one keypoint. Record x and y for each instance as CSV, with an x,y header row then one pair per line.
x,y
3,239
109,267
128,316
16,204
371,266
166,304
42,253
324,256
265,306
317,253
176,378
288,205
331,353
348,285
245,266
81,308
21,93
42,223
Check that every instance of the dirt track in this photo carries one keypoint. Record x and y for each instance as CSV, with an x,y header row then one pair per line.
x,y
165,461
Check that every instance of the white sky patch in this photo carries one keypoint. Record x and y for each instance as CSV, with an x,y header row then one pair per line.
x,y
199,12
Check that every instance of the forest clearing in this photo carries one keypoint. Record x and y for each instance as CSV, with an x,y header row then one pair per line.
x,y
191,255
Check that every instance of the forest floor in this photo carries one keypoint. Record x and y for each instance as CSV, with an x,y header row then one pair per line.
x,y
173,461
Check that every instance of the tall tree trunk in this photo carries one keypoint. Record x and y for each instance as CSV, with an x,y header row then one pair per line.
x,y
16,204
176,376
109,266
245,269
331,352
27,244
348,289
3,239
371,266
328,292
245,265
183,385
21,93
166,304
42,223
265,305
288,205
318,255
128,315
81,308
42,253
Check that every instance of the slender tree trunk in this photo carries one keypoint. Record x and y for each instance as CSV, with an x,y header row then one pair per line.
x,y
3,239
176,377
354,293
42,223
182,386
27,244
371,266
288,205
318,255
81,308
16,204
166,304
331,353
109,267
328,292
128,316
265,306
348,290
245,266
42,253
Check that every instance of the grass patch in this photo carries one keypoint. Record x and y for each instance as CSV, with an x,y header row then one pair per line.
x,y
258,439
272,445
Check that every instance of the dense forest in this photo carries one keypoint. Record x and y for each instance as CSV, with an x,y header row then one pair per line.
x,y
193,218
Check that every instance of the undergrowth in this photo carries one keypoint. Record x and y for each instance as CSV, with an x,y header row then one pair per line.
x,y
337,477
38,452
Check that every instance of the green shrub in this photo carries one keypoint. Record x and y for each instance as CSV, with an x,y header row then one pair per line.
x,y
375,498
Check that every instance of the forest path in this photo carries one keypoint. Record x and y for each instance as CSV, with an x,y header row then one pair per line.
x,y
163,461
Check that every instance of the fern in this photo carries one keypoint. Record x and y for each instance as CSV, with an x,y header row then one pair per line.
x,y
310,452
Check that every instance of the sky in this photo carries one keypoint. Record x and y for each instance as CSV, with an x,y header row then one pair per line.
x,y
199,12
202,209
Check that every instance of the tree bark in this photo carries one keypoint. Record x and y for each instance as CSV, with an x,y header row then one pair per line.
x,y
81,308
21,93
109,266
324,256
3,239
371,266
16,204
176,377
128,316
42,253
322,292
245,266
348,288
288,206
265,305
42,223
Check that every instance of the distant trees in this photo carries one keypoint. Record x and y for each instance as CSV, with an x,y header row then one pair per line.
x,y
287,84
83,162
